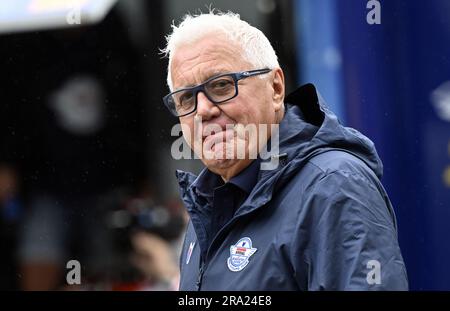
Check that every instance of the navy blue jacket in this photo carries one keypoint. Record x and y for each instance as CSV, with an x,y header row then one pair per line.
x,y
320,221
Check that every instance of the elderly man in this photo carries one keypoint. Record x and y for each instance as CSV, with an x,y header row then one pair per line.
x,y
318,220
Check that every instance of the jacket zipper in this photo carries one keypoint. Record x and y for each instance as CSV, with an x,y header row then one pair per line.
x,y
203,265
200,277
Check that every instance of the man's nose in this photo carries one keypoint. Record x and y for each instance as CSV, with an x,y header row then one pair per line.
x,y
205,108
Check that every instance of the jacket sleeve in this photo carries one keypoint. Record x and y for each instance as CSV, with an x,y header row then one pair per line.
x,y
346,238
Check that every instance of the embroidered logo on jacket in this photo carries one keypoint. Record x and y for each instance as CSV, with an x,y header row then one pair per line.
x,y
240,253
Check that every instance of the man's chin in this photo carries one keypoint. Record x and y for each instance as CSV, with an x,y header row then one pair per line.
x,y
219,164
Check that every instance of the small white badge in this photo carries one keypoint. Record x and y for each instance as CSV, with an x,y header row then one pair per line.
x,y
189,253
240,253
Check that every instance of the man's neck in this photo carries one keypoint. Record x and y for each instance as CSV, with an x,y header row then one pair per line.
x,y
229,173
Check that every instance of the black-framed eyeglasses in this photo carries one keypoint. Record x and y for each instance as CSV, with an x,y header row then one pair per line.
x,y
218,89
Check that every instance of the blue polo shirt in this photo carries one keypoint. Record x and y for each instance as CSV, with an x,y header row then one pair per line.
x,y
224,199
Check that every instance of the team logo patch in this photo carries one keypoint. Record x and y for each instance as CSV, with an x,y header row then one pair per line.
x,y
189,253
239,254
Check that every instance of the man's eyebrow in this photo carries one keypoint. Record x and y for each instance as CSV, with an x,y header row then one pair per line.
x,y
214,74
210,75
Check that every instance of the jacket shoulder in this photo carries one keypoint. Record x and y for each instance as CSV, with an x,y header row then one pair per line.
x,y
340,162
337,160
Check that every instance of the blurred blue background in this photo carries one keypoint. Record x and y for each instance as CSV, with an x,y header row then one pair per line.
x,y
391,82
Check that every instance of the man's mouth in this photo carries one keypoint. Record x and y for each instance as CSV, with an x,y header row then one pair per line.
x,y
215,137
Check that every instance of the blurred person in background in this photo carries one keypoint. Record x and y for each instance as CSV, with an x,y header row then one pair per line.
x,y
145,237
319,220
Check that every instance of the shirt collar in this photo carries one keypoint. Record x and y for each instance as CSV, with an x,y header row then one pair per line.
x,y
207,181
247,179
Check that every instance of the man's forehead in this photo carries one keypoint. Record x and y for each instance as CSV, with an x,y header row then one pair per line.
x,y
198,61
199,74
189,79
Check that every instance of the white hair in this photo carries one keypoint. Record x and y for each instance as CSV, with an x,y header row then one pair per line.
x,y
256,48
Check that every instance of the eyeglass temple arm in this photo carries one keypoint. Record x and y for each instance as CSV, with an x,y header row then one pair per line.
x,y
255,72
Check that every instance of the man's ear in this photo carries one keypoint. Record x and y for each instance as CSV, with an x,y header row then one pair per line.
x,y
278,89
